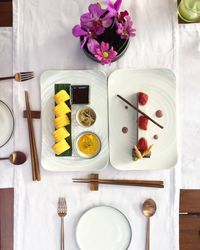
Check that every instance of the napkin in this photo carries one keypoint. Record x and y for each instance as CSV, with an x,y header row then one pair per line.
x,y
189,87
43,40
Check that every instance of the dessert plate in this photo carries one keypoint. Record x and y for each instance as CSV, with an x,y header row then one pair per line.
x,y
97,82
6,123
103,228
160,85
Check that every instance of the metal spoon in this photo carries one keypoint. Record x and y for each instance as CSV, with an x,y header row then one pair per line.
x,y
149,209
16,158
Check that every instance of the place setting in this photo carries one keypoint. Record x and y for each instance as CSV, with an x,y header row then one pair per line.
x,y
94,127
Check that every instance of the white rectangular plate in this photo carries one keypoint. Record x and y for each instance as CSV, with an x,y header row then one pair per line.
x,y
160,85
97,81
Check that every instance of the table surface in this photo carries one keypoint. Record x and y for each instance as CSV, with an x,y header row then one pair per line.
x,y
189,199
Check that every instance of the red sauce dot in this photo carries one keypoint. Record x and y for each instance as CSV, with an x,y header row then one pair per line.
x,y
159,113
155,137
124,130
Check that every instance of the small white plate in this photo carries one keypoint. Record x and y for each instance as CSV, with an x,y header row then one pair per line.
x,y
97,82
160,85
103,228
6,123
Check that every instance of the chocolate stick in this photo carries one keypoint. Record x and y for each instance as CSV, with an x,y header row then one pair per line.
x,y
139,111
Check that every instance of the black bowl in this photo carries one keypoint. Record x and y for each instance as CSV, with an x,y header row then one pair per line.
x,y
110,36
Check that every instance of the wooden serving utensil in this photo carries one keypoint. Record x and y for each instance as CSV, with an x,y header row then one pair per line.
x,y
94,182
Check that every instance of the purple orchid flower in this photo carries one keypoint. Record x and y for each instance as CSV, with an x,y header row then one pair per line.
x,y
113,8
94,20
125,29
105,54
87,36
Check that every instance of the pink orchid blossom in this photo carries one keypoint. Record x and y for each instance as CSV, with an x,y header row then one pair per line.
x,y
87,36
125,29
113,8
94,19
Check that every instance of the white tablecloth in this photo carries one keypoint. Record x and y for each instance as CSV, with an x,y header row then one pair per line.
x,y
42,40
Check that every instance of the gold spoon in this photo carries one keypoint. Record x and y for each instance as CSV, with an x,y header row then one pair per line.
x,y
149,209
16,158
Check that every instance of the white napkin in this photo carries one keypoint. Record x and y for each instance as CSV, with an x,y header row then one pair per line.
x,y
189,78
43,40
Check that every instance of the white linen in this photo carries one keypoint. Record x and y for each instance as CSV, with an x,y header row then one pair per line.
x,y
42,40
189,78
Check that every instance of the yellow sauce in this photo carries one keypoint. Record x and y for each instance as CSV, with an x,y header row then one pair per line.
x,y
89,144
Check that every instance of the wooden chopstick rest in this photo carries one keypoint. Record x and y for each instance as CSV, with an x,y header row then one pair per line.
x,y
94,182
35,114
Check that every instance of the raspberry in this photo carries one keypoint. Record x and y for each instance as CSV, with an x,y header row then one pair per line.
x,y
142,98
142,144
143,122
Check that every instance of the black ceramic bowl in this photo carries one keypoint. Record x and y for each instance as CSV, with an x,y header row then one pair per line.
x,y
110,36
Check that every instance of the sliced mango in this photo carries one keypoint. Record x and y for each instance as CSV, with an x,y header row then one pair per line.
x,y
60,147
60,134
61,109
61,96
61,121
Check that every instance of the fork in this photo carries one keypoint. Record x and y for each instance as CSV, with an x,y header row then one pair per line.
x,y
62,211
20,77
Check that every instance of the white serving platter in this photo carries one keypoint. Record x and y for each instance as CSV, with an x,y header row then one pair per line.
x,y
160,85
97,81
103,228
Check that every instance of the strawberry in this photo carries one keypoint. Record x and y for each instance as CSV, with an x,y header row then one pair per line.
x,y
142,98
143,122
142,144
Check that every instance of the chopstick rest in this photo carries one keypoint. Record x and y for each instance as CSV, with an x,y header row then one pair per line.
x,y
94,182
35,114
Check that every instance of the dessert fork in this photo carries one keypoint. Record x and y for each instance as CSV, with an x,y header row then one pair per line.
x,y
20,77
62,211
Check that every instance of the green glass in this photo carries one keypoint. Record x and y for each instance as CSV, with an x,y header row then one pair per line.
x,y
189,10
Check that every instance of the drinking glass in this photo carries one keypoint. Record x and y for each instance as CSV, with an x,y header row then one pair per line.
x,y
189,10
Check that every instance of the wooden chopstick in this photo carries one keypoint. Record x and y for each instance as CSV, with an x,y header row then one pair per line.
x,y
143,183
140,111
33,149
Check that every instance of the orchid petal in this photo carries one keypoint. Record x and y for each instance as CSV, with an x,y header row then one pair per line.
x,y
78,31
95,10
113,8
83,41
92,45
117,4
107,23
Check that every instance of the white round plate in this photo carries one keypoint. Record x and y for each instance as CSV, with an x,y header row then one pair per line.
x,y
103,228
6,123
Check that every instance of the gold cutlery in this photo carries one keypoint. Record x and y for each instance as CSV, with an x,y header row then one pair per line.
x,y
149,209
20,77
139,111
94,182
33,149
62,211
16,158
